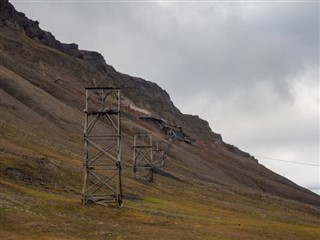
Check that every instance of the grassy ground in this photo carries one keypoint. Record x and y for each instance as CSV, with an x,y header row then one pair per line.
x,y
27,213
35,205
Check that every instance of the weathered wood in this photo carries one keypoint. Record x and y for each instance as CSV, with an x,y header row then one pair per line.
x,y
102,157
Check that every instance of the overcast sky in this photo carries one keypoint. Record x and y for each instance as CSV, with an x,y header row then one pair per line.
x,y
250,68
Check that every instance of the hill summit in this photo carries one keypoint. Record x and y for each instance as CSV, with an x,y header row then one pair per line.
x,y
210,189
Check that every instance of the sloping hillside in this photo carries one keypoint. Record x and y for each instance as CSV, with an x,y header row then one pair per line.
x,y
211,190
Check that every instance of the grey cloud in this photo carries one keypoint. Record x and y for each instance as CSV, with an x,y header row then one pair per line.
x,y
221,45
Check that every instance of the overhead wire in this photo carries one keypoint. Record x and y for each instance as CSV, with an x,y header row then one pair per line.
x,y
287,161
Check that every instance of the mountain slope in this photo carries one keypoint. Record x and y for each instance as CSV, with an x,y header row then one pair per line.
x,y
42,101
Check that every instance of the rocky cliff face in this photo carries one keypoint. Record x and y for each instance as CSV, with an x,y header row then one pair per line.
x,y
10,17
97,60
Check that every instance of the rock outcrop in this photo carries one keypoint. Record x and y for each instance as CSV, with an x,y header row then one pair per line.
x,y
18,20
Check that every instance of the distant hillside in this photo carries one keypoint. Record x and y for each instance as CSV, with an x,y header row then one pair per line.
x,y
42,100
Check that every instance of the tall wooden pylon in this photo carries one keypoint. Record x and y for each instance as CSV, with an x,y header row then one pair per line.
x,y
102,147
143,157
